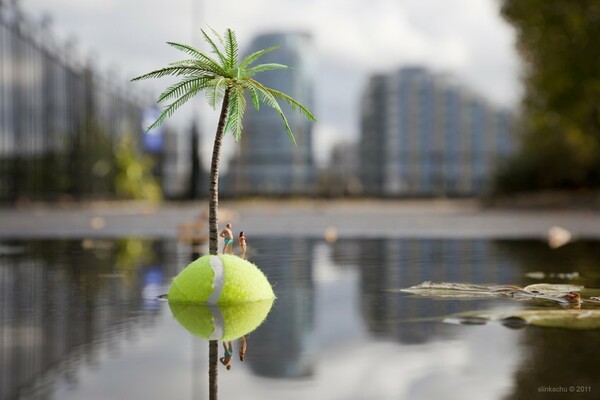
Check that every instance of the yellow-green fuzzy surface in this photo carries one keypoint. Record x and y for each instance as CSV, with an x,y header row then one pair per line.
x,y
196,318
239,319
244,282
194,283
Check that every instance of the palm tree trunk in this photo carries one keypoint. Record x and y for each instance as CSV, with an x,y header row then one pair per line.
x,y
213,235
213,201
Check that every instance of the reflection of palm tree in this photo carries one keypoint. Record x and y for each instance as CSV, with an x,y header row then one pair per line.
x,y
213,357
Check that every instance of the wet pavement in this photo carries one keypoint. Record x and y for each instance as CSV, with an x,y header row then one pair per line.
x,y
317,218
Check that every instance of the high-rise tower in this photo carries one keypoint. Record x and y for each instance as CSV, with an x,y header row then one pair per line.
x,y
425,136
268,162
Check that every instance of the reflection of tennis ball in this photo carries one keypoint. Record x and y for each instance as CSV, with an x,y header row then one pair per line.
x,y
224,279
221,322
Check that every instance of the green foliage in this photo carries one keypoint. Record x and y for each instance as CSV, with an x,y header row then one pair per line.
x,y
203,72
558,41
134,179
92,158
81,166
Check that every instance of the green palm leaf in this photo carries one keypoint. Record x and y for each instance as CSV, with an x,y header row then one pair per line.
x,y
172,71
255,56
215,94
237,107
206,60
171,108
295,105
214,47
180,88
254,96
265,67
231,48
268,98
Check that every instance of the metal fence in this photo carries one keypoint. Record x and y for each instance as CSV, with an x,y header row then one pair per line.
x,y
59,119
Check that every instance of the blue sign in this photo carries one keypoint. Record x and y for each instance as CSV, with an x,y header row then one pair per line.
x,y
153,138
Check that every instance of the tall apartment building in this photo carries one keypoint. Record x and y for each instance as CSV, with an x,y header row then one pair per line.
x,y
423,135
267,162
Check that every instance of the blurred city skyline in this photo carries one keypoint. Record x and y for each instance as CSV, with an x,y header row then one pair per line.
x,y
467,40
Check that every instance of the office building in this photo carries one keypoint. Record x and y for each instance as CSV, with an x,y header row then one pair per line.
x,y
267,162
423,135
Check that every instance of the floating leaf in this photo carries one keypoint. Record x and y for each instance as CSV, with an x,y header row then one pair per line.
x,y
553,289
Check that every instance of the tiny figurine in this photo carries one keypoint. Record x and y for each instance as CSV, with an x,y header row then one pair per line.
x,y
227,235
243,244
228,355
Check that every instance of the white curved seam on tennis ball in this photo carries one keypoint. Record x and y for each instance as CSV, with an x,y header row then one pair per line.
x,y
218,281
218,322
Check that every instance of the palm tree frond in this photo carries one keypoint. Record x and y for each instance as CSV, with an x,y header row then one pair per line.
x,y
170,109
255,56
215,95
214,47
271,101
198,56
218,36
179,88
231,48
295,104
246,84
266,67
237,108
255,98
190,62
173,71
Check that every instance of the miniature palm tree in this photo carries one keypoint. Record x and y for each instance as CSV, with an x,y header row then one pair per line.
x,y
225,80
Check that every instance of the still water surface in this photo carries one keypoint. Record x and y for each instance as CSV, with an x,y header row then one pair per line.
x,y
80,319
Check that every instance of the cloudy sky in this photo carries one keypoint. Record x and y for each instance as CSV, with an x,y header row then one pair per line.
x,y
466,39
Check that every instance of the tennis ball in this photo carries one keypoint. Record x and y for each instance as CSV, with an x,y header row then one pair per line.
x,y
223,279
213,322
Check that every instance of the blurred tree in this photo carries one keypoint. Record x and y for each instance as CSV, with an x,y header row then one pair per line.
x,y
134,179
558,41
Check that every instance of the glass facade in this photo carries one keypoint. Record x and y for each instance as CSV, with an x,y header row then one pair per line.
x,y
423,136
268,162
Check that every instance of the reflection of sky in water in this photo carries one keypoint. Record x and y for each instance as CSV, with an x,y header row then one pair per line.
x,y
335,332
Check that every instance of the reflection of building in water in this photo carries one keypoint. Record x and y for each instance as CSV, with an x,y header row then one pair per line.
x,y
282,347
399,263
557,359
62,303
